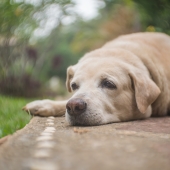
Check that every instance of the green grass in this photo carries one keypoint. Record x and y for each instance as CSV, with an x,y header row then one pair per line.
x,y
12,117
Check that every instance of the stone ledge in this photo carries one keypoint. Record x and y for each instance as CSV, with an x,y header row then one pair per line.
x,y
51,144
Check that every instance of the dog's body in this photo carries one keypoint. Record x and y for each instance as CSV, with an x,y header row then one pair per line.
x,y
127,79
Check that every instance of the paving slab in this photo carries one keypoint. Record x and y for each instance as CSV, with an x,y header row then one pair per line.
x,y
51,144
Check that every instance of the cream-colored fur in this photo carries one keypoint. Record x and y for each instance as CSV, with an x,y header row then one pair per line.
x,y
138,64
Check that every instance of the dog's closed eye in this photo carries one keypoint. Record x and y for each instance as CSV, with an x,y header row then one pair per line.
x,y
108,84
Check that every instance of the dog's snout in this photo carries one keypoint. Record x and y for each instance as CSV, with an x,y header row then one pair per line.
x,y
76,106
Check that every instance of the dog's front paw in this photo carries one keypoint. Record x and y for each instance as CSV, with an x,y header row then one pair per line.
x,y
40,108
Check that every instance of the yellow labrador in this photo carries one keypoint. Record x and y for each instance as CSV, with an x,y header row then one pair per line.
x,y
127,79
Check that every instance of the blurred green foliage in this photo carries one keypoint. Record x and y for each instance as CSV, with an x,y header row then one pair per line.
x,y
28,62
12,117
15,18
155,13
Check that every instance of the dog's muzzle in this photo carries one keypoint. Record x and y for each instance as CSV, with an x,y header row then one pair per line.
x,y
76,106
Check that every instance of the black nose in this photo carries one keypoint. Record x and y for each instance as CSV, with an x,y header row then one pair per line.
x,y
76,106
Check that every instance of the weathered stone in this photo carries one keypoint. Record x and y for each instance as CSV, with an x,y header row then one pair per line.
x,y
141,145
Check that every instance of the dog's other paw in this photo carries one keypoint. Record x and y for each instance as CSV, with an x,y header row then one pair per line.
x,y
40,108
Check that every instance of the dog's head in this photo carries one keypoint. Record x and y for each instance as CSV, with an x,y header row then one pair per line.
x,y
109,87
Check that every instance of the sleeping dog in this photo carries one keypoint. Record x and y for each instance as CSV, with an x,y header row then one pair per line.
x,y
126,79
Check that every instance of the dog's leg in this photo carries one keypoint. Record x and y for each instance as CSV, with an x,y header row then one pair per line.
x,y
46,108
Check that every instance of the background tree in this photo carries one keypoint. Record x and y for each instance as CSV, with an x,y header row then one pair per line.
x,y
154,15
27,62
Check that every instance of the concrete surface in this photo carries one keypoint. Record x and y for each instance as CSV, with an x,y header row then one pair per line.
x,y
51,144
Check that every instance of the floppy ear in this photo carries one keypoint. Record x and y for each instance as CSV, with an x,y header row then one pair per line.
x,y
70,74
146,91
